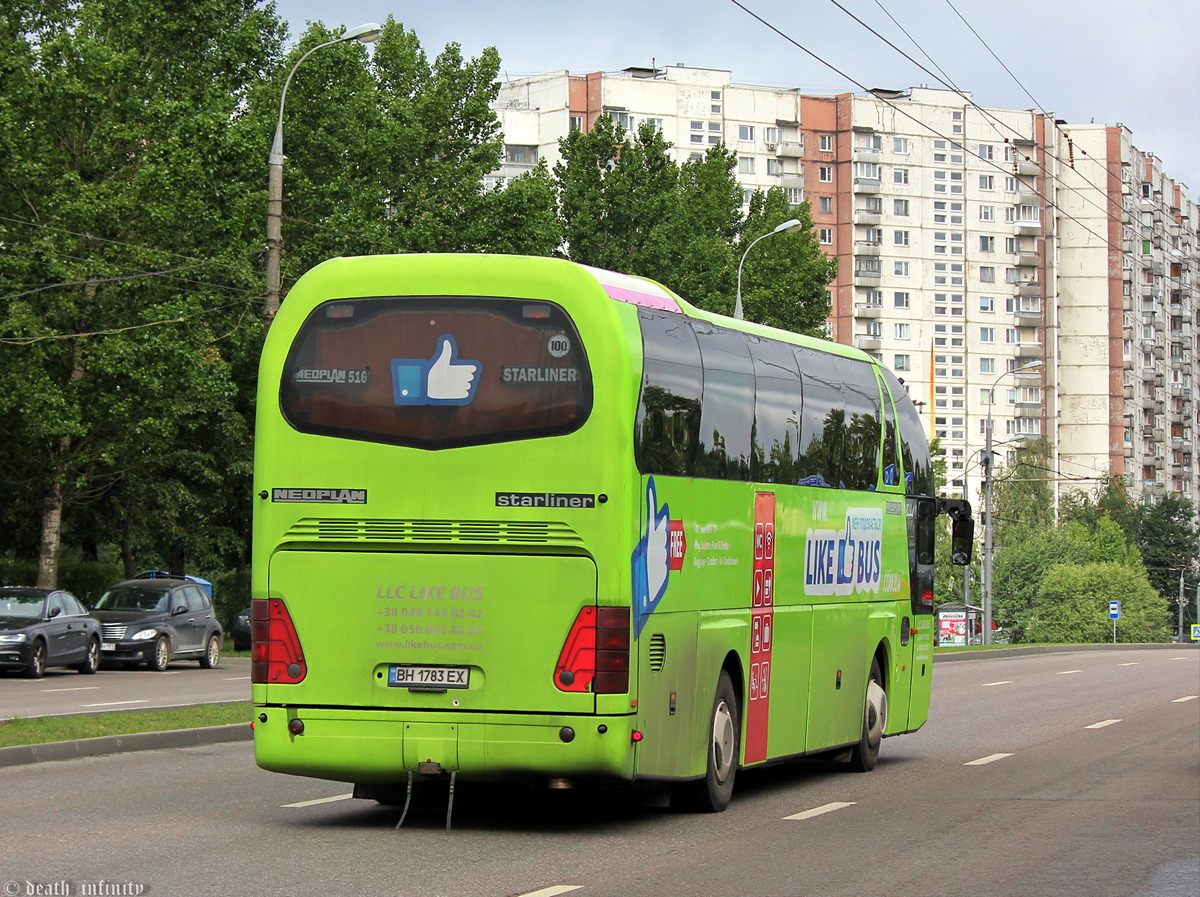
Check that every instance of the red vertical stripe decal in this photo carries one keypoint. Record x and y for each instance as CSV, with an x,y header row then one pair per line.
x,y
762,614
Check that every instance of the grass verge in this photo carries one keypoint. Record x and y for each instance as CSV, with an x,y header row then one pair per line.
x,y
43,730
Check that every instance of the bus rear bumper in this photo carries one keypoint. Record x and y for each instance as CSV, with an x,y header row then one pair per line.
x,y
371,747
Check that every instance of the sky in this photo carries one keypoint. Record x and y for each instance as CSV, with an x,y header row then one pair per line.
x,y
1136,64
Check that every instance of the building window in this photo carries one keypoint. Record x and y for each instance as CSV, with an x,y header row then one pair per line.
x,y
900,238
987,244
825,205
775,166
987,334
987,365
901,269
825,173
519,154
987,274
745,165
987,213
795,195
987,182
825,235
874,328
874,297
1010,184
900,145
902,363
745,132
774,135
987,303
900,176
985,151
825,143
900,207
900,300
902,331
575,122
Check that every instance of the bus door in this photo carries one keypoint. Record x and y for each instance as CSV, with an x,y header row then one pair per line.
x,y
916,630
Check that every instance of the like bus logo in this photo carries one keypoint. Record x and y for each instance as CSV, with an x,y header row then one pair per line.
x,y
441,380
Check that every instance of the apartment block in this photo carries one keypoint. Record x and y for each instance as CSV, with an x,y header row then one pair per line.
x,y
1016,271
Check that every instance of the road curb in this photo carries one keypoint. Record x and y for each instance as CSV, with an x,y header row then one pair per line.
x,y
1025,650
23,754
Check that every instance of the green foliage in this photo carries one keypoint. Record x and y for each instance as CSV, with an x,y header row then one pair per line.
x,y
626,206
1074,602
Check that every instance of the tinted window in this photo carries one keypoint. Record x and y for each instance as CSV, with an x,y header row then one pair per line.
x,y
914,450
668,421
727,415
197,600
891,462
55,607
777,412
823,421
72,606
436,372
860,449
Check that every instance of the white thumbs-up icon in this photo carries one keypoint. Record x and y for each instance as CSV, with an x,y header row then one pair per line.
x,y
442,380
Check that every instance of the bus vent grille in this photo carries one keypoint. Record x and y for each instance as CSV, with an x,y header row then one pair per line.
x,y
658,651
496,532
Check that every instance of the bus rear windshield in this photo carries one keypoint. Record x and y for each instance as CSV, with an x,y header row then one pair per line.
x,y
436,372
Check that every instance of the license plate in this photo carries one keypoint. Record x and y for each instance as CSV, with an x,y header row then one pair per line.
x,y
107,646
414,676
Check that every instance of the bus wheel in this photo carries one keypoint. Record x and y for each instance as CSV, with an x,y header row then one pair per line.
x,y
866,752
711,794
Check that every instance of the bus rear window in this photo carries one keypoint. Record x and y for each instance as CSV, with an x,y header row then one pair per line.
x,y
436,372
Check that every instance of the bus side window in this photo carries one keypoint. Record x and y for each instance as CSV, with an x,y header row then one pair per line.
x,y
914,450
891,463
727,412
777,412
824,420
668,418
860,448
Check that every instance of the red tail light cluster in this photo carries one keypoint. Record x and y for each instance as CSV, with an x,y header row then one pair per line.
x,y
595,655
275,655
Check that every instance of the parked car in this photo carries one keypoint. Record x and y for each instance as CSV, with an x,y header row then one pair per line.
x,y
155,621
42,628
241,631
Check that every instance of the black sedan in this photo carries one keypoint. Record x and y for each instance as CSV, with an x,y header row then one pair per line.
x,y
42,628
155,621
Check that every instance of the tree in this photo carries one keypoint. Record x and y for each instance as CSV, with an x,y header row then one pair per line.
x,y
785,279
626,206
1167,537
1074,602
120,186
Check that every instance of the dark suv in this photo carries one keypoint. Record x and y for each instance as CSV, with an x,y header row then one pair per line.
x,y
155,621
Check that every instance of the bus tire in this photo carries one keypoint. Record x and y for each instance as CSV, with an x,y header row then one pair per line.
x,y
866,752
712,793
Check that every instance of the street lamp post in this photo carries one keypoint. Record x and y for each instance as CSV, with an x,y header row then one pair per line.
x,y
366,33
987,503
789,226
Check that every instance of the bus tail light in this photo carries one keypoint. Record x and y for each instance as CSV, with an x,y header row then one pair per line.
x,y
275,655
595,654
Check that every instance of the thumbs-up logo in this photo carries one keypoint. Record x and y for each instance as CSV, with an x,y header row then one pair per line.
x,y
444,379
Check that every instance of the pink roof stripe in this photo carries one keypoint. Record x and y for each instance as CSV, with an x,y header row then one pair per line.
x,y
637,297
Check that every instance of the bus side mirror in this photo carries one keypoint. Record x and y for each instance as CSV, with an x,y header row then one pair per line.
x,y
962,541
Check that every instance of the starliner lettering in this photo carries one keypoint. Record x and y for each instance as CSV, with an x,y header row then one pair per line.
x,y
842,562
545,500
321,496
539,375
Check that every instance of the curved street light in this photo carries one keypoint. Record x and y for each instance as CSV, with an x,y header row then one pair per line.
x,y
987,502
366,34
789,226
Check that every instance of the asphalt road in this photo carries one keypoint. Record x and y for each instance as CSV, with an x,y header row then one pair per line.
x,y
1062,774
63,691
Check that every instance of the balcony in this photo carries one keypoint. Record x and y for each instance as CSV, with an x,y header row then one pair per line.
x,y
1027,226
865,216
1029,289
790,150
1029,259
868,247
868,311
866,185
868,343
867,154
1027,352
1027,168
1031,410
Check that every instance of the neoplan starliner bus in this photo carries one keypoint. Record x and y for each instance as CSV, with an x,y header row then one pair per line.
x,y
518,519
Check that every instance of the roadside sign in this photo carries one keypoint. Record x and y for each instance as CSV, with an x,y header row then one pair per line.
x,y
1114,610
1196,632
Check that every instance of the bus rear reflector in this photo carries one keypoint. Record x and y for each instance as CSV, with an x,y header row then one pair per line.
x,y
595,654
275,653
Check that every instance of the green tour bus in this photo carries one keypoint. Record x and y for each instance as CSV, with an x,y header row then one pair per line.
x,y
522,520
